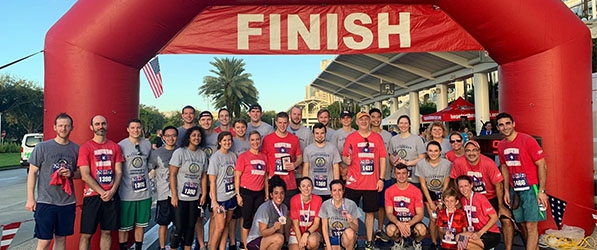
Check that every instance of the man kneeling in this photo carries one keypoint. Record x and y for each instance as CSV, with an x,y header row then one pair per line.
x,y
404,209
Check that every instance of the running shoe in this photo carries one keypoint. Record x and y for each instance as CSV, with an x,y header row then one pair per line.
x,y
417,245
382,236
398,245
369,245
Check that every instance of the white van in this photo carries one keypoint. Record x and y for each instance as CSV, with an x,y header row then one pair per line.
x,y
27,145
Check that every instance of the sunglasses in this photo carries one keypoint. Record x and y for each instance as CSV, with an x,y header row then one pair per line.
x,y
367,141
453,141
138,148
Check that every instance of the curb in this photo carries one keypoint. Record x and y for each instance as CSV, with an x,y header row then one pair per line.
x,y
11,168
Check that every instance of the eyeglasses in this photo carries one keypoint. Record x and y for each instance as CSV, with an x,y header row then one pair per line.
x,y
367,141
453,141
471,150
168,136
138,148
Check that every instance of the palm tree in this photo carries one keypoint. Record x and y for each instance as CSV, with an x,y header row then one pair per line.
x,y
231,87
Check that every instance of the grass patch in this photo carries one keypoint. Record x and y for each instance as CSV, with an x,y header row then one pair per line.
x,y
10,159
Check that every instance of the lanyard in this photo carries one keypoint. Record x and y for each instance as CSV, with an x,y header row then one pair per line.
x,y
451,219
277,209
469,211
308,210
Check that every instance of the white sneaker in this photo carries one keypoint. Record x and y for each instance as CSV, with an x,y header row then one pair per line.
x,y
418,245
398,245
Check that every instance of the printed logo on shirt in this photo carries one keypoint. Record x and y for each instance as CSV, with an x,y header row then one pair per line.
x,y
230,170
137,162
194,168
103,157
208,151
473,211
320,162
59,164
401,153
512,157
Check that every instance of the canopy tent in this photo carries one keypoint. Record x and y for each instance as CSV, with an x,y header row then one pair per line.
x,y
393,118
454,111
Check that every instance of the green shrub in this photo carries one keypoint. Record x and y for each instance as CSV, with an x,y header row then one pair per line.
x,y
10,147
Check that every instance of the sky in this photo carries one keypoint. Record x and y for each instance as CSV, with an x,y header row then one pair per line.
x,y
280,80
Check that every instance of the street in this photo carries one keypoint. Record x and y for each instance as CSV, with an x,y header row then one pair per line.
x,y
13,184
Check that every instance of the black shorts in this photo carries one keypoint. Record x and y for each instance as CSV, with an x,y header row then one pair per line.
x,y
412,229
490,240
370,199
95,211
251,202
164,212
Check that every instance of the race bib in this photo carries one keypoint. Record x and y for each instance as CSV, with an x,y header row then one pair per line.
x,y
321,182
478,185
404,217
410,173
520,182
189,189
138,183
104,177
229,185
366,167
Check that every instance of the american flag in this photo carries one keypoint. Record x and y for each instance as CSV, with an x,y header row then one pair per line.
x,y
462,242
558,207
152,72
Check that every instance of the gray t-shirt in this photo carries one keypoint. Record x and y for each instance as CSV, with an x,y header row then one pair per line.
x,y
321,166
160,161
49,156
191,165
340,137
337,222
211,144
264,129
181,131
266,214
135,180
329,134
407,148
240,146
386,141
304,134
434,176
222,166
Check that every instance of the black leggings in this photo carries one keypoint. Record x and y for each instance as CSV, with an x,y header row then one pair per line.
x,y
185,216
251,202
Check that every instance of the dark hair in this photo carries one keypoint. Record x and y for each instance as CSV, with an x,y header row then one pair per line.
x,y
403,116
169,127
305,178
487,123
242,121
281,115
63,116
223,109
221,137
319,125
451,192
323,110
255,106
134,120
337,181
375,110
465,178
276,181
187,136
434,143
188,107
504,115
254,132
401,166
455,133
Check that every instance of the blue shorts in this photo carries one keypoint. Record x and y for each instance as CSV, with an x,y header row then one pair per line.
x,y
53,220
336,241
229,204
386,185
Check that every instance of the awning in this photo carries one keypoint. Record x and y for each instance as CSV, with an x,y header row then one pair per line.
x,y
393,118
454,111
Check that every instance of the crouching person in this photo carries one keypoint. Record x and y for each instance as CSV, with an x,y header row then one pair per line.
x,y
339,219
404,209
267,231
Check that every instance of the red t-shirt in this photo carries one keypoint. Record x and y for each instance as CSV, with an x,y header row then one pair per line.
x,y
451,156
404,201
480,211
253,169
305,213
275,147
459,223
101,159
363,171
484,175
520,156
219,130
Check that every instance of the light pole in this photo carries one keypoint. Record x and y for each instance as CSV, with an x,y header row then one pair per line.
x,y
1,137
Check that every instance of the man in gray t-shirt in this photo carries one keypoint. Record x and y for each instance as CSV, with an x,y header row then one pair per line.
x,y
303,133
53,160
134,188
321,162
255,113
188,119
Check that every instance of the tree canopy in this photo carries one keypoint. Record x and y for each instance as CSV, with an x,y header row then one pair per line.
x,y
22,107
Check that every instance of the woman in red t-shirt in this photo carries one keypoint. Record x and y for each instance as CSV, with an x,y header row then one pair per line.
x,y
250,185
304,212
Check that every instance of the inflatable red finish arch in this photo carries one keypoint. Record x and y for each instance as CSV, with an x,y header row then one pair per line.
x,y
93,55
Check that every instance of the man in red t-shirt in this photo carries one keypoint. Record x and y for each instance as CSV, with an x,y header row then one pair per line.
x,y
100,162
365,155
487,180
404,209
284,155
523,163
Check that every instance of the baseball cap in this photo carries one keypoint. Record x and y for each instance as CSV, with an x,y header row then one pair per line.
x,y
362,113
473,142
255,106
205,113
345,113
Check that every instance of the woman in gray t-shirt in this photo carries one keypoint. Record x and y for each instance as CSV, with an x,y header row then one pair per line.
x,y
221,181
187,180
339,219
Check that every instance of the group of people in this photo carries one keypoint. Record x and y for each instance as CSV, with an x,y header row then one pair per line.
x,y
287,185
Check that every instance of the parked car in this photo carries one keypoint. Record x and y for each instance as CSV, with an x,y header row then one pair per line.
x,y
27,144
